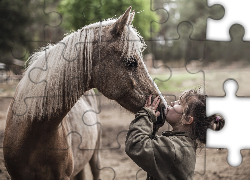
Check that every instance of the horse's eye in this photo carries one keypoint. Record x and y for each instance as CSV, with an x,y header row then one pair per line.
x,y
131,62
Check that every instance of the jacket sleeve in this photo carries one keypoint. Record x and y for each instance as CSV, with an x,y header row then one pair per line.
x,y
155,156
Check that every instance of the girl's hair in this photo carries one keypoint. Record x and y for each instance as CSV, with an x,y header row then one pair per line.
x,y
195,106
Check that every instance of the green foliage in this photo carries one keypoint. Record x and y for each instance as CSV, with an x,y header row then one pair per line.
x,y
23,28
22,25
78,13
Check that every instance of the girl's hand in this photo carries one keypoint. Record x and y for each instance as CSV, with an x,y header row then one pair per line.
x,y
153,107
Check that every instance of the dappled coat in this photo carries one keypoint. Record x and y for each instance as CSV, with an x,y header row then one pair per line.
x,y
168,157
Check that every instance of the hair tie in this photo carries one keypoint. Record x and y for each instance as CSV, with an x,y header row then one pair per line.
x,y
217,118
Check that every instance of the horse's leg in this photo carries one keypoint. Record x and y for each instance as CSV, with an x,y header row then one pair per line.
x,y
79,176
95,161
95,164
84,174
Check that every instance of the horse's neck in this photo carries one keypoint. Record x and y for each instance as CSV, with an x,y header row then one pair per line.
x,y
56,79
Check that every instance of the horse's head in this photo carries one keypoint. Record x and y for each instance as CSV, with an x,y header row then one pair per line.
x,y
118,69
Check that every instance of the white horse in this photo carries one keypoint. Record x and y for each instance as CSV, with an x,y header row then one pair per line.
x,y
46,135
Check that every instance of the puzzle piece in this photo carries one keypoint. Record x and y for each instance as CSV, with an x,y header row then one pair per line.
x,y
113,142
46,63
154,23
89,12
41,68
52,20
128,169
174,8
225,137
217,167
55,19
181,155
189,49
218,30
226,68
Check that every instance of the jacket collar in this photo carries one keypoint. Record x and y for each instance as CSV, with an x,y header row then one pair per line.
x,y
177,133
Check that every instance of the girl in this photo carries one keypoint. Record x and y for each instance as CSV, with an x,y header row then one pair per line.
x,y
172,155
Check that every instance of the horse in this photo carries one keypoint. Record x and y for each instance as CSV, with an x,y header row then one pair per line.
x,y
54,103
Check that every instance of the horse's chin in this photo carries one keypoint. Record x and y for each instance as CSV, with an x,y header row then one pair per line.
x,y
133,102
132,108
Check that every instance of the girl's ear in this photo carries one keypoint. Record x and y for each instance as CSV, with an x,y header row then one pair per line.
x,y
189,120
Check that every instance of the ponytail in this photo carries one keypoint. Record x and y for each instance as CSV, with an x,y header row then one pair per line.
x,y
217,122
196,107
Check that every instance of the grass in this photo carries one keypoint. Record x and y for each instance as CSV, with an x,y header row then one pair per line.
x,y
178,82
213,84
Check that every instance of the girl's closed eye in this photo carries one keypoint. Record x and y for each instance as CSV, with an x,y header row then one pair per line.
x,y
187,116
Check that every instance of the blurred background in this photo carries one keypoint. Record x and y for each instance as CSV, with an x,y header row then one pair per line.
x,y
174,31
178,57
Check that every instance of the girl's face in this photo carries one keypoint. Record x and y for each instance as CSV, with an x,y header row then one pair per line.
x,y
174,112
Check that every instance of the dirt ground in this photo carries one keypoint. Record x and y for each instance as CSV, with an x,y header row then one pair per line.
x,y
210,163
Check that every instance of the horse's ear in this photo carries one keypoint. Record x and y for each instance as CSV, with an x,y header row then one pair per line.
x,y
121,22
131,18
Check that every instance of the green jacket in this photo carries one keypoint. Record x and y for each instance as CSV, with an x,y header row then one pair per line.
x,y
170,158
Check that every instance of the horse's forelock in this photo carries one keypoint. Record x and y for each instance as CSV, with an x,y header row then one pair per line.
x,y
135,42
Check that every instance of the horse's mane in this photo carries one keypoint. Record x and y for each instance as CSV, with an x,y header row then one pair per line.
x,y
51,71
140,45
39,52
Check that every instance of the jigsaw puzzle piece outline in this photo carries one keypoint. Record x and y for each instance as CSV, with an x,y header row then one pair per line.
x,y
161,21
48,13
14,104
72,132
189,175
218,30
167,7
44,67
185,38
52,14
76,132
46,81
220,138
104,149
23,45
236,33
122,147
118,143
223,170
188,54
169,147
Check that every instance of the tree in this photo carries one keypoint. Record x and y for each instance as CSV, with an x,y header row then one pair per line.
x,y
78,13
22,28
15,18
195,13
